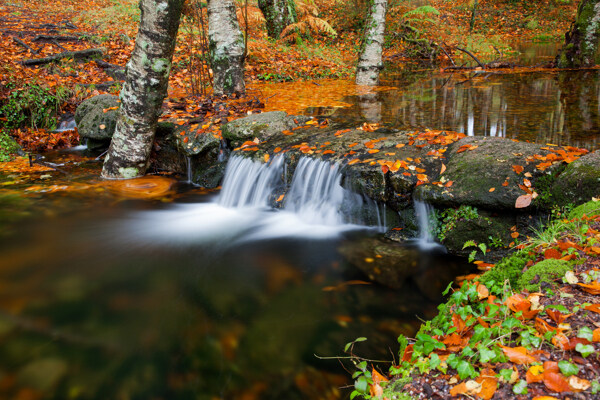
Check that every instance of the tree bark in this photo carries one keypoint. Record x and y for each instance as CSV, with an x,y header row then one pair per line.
x,y
581,41
370,61
144,90
226,48
278,14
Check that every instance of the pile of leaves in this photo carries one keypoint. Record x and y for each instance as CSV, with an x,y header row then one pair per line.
x,y
527,329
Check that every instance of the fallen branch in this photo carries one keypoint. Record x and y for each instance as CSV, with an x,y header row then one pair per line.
x,y
64,38
445,52
472,56
22,43
76,55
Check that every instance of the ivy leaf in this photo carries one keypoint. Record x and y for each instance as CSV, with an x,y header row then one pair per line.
x,y
567,368
485,354
520,387
361,384
586,333
584,349
465,370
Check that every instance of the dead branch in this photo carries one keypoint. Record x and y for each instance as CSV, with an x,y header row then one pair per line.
x,y
76,55
445,52
63,38
472,56
22,43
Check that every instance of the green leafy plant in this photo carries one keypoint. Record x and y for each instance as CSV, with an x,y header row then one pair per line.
x,y
7,146
473,254
32,105
450,217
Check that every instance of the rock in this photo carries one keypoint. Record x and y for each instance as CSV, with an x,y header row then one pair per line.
x,y
92,122
261,126
479,175
193,141
579,182
383,261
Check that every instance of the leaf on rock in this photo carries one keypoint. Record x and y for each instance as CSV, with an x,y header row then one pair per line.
x,y
523,201
517,168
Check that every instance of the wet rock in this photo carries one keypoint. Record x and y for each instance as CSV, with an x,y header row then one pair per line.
x,y
579,182
167,155
95,124
192,141
42,374
479,174
382,261
261,126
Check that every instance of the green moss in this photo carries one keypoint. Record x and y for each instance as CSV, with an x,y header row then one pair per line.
x,y
128,173
510,268
545,271
7,146
590,208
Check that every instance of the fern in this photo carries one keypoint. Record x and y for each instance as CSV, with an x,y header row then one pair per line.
x,y
419,11
308,22
255,16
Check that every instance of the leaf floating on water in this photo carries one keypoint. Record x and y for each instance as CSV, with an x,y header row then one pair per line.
x,y
145,187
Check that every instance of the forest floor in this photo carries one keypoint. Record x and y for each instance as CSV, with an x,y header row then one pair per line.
x,y
31,97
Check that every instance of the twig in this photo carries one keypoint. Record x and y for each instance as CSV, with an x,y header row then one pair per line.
x,y
54,42
63,38
101,155
472,56
22,43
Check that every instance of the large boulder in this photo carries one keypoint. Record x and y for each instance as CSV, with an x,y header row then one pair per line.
x,y
579,182
96,119
486,172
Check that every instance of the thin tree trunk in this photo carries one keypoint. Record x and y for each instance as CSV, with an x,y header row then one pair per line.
x,y
370,61
226,46
278,14
581,42
144,90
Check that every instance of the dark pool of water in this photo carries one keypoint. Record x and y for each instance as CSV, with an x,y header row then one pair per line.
x,y
88,310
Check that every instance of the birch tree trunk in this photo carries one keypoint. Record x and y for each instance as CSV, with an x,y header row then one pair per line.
x,y
226,48
370,62
144,90
278,14
581,42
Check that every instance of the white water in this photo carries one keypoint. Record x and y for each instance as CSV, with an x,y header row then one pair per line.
x,y
426,221
314,207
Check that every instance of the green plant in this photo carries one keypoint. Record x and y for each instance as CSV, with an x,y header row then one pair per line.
x,y
7,146
32,105
451,216
544,271
473,254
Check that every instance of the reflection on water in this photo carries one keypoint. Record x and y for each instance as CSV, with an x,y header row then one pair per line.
x,y
560,108
89,310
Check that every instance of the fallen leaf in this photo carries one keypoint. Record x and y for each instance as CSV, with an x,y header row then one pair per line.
x,y
523,201
491,190
517,168
468,388
518,355
443,169
592,288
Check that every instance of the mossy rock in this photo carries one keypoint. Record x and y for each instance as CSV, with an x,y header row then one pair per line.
x,y
92,122
579,182
479,175
478,229
510,269
545,271
192,141
261,126
590,209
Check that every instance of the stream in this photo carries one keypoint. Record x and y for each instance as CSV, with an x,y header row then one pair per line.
x,y
170,291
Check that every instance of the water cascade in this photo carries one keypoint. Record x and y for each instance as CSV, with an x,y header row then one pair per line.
x,y
315,205
426,222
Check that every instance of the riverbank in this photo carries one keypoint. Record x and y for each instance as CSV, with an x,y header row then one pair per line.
x,y
526,329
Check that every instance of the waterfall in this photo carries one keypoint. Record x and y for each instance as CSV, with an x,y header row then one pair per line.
x,y
250,183
188,165
426,222
314,206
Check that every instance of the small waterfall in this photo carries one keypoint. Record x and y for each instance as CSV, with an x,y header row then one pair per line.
x,y
188,166
249,183
426,221
316,194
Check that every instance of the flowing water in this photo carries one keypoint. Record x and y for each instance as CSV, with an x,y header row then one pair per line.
x,y
184,293
194,294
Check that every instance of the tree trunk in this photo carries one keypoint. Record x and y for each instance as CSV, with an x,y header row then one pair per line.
x,y
370,62
144,90
581,42
278,14
226,47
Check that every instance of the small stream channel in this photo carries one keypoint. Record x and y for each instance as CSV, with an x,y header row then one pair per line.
x,y
200,295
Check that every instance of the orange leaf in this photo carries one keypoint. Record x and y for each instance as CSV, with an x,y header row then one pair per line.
x,y
489,384
276,149
280,198
373,151
287,132
552,253
534,374
514,235
385,169
266,157
377,377
354,161
517,168
592,288
561,341
328,151
482,291
505,183
422,177
593,308
443,169
556,382
518,355
491,190
596,335
523,201
527,183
